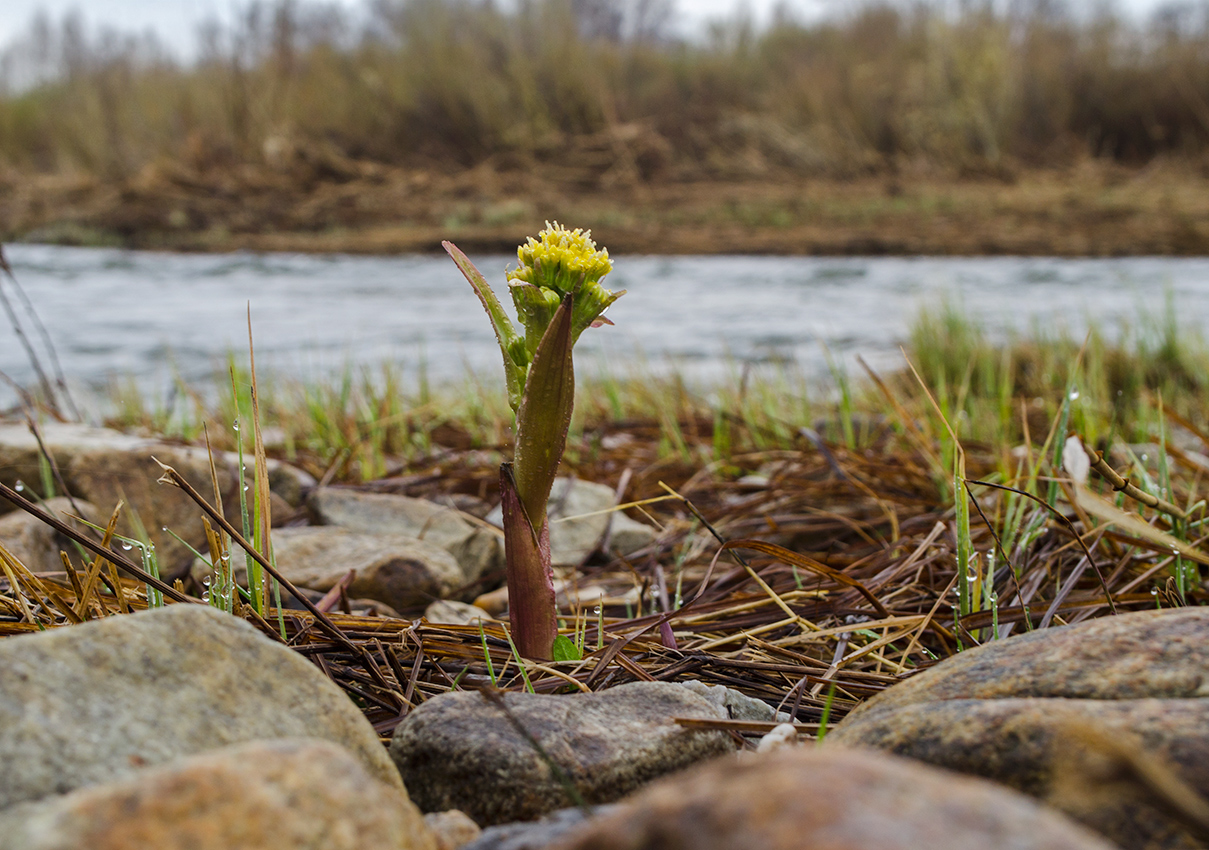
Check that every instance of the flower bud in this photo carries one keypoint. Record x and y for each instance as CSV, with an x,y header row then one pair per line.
x,y
558,262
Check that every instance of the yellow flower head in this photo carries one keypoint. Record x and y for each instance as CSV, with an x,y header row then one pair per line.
x,y
561,260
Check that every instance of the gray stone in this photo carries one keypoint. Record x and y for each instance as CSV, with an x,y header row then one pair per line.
x,y
478,550
289,482
93,703
291,794
573,540
538,834
400,571
735,704
452,829
103,466
451,612
1029,744
1020,710
20,456
829,797
1131,656
35,544
459,750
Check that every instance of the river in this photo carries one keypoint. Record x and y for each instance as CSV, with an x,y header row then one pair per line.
x,y
152,316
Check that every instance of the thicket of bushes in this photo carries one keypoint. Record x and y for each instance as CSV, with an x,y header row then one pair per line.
x,y
452,83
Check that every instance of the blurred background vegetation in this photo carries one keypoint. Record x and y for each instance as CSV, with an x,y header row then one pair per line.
x,y
450,84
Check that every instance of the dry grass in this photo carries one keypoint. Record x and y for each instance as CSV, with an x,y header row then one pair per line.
x,y
862,594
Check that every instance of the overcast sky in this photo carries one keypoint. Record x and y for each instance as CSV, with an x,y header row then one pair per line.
x,y
175,21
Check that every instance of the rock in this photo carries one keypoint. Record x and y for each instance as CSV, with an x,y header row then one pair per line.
x,y
289,482
572,541
1009,710
479,551
568,593
458,750
288,794
400,571
20,456
1131,656
538,834
627,536
735,704
451,612
107,476
780,738
35,544
452,829
103,466
1027,743
92,703
830,797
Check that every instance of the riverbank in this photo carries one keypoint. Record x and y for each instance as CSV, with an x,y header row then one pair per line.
x,y
327,203
881,530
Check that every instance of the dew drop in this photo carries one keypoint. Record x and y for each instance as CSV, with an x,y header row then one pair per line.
x,y
225,557
1154,591
206,596
235,425
245,487
596,610
1074,394
206,581
20,486
127,546
163,528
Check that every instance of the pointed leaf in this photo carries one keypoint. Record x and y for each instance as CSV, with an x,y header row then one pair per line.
x,y
545,414
590,302
566,650
505,333
531,605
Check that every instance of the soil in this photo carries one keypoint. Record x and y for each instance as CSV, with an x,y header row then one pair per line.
x,y
328,203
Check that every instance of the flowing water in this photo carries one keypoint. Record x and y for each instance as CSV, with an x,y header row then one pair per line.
x,y
151,316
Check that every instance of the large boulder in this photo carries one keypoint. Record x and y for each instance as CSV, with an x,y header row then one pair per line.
x,y
94,703
288,794
808,797
478,550
1132,656
1038,746
1109,692
460,751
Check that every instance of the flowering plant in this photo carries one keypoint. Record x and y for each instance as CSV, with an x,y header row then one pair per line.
x,y
557,294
